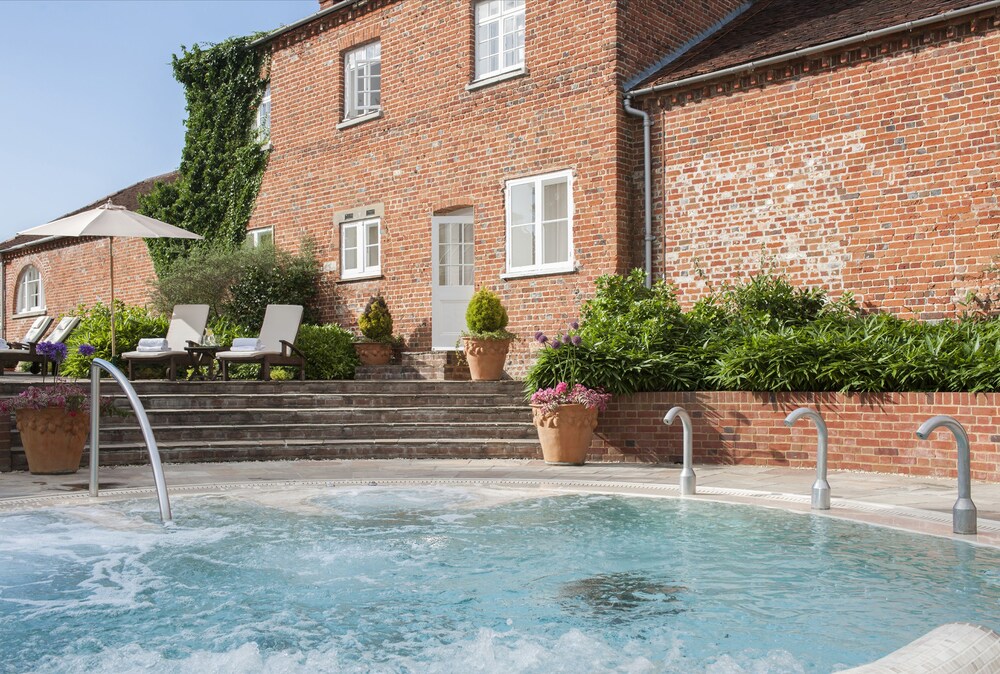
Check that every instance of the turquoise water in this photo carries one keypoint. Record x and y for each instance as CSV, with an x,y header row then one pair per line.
x,y
469,580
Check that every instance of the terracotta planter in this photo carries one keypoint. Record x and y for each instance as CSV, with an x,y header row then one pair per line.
x,y
565,433
53,439
374,353
486,357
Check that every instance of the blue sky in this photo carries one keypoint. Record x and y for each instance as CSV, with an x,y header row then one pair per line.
x,y
89,102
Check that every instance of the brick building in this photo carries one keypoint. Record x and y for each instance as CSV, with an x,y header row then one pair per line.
x,y
49,275
430,148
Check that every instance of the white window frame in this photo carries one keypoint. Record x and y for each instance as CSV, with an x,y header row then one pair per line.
x,y
539,267
502,13
254,236
30,293
357,73
361,268
262,122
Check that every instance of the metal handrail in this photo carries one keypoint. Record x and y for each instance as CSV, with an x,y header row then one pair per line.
x,y
688,480
96,366
963,513
820,488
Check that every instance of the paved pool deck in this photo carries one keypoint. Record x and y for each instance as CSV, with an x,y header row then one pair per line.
x,y
918,504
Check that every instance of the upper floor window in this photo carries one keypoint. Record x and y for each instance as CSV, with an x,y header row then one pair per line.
x,y
540,224
499,37
29,291
262,123
360,248
261,236
363,80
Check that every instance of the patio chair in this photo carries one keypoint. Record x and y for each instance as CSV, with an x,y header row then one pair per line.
x,y
275,346
187,323
24,351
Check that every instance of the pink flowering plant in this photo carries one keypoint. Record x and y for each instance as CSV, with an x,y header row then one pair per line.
x,y
564,394
75,399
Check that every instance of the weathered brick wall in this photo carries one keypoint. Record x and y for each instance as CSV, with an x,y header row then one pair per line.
x,y
872,432
871,171
439,147
76,271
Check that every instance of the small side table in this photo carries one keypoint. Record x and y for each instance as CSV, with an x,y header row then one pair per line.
x,y
202,356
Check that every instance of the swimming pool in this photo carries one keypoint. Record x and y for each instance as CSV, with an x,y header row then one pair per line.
x,y
447,579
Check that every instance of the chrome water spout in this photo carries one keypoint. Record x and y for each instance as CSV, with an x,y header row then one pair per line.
x,y
963,513
688,479
821,488
96,366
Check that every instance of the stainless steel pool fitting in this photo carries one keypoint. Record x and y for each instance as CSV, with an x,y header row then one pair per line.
x,y
963,513
821,488
96,366
688,479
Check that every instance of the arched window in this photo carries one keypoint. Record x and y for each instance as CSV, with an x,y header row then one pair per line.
x,y
29,291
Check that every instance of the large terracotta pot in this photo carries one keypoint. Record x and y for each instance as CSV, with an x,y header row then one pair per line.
x,y
374,353
565,433
53,439
486,357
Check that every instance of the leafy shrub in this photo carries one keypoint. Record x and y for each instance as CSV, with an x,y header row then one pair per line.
x,y
375,322
486,317
203,277
626,316
131,325
329,351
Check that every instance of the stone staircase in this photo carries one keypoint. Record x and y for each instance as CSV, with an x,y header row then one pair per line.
x,y
240,421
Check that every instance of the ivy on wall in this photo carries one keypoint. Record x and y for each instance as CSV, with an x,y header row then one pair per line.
x,y
222,162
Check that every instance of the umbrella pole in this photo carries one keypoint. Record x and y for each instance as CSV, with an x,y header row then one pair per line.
x,y
111,260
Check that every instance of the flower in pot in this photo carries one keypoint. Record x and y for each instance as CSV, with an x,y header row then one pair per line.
x,y
54,420
565,415
486,338
375,323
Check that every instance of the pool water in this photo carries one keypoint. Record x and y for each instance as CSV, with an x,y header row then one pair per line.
x,y
442,579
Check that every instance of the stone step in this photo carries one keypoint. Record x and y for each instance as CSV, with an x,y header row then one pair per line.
x,y
323,400
176,417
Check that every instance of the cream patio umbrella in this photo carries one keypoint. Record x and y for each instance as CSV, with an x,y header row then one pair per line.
x,y
110,220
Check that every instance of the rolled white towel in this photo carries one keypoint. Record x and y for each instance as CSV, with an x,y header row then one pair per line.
x,y
153,344
246,344
4,344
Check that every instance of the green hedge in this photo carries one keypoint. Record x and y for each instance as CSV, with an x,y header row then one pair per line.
x,y
131,325
763,335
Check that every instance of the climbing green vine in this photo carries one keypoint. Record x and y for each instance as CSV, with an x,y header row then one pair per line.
x,y
222,162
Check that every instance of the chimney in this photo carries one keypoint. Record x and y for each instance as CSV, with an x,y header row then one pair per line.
x,y
326,4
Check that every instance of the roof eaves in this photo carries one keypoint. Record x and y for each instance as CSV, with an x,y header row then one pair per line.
x,y
687,46
821,47
273,35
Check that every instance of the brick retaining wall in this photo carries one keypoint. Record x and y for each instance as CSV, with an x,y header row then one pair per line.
x,y
872,432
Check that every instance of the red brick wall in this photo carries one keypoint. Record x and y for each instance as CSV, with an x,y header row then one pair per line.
x,y
871,432
439,147
871,171
76,271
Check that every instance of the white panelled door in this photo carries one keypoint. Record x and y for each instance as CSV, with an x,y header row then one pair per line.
x,y
453,271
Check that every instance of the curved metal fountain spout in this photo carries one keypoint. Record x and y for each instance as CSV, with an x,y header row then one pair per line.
x,y
688,479
963,513
821,488
96,366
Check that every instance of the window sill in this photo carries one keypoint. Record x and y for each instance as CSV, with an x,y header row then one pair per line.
x,y
31,314
354,121
366,277
495,79
567,269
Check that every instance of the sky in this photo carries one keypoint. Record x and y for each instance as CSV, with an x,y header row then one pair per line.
x,y
88,101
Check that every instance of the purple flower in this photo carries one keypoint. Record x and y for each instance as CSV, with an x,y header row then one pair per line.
x,y
86,350
574,325
539,337
543,339
567,339
54,351
556,343
577,340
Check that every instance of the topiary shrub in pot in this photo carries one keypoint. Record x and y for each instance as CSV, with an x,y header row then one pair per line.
x,y
486,339
375,323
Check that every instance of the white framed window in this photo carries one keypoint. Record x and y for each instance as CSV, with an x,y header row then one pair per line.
x,y
360,248
540,224
29,291
262,123
261,236
499,37
363,80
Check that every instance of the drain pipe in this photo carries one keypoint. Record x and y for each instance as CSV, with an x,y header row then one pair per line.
x,y
647,123
821,488
688,479
963,513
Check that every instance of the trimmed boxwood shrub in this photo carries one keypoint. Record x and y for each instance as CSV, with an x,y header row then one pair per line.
x,y
375,322
329,351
